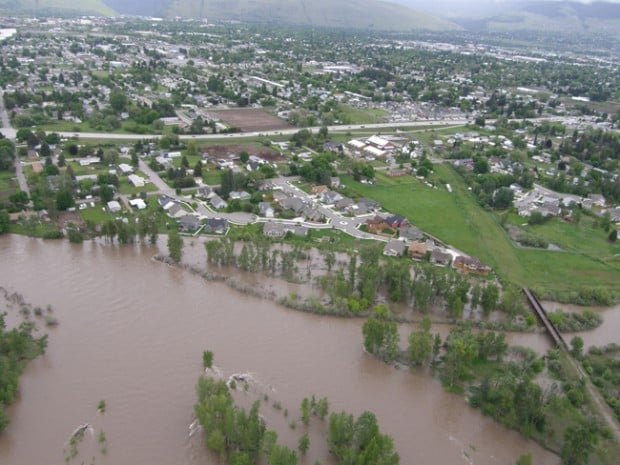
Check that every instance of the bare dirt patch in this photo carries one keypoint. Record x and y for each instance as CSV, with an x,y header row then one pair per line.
x,y
232,151
251,120
67,218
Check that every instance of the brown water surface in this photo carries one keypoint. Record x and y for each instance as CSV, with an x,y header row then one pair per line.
x,y
132,331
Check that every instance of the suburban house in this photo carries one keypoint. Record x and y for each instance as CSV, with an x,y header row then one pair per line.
x,y
418,250
319,190
189,223
394,248
274,230
114,206
470,265
597,200
396,221
343,204
216,226
312,214
295,204
441,258
330,197
218,202
277,230
205,192
239,195
378,225
175,211
125,169
266,210
410,233
329,146
135,180
87,161
138,203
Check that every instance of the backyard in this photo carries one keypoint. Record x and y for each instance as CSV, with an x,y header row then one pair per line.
x,y
457,219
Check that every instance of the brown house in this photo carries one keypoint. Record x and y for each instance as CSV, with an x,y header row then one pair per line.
x,y
471,265
418,250
377,225
319,190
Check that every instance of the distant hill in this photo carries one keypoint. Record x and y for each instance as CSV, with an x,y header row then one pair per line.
x,y
155,8
365,14
600,17
61,7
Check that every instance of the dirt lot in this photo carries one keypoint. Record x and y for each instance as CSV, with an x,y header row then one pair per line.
x,y
233,150
251,120
65,218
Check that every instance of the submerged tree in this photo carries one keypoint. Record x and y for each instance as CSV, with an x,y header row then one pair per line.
x,y
175,245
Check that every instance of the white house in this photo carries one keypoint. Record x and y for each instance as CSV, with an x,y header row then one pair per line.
x,y
114,206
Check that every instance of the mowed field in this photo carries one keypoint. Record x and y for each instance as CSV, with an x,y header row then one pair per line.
x,y
251,120
458,219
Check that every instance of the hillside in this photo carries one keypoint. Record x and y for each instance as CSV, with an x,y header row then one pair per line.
x,y
363,14
573,17
62,7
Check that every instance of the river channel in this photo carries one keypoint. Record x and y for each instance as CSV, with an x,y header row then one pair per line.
x,y
132,331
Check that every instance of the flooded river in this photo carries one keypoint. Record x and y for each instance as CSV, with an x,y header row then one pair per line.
x,y
132,332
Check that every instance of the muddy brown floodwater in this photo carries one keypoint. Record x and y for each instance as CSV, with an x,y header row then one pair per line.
x,y
132,331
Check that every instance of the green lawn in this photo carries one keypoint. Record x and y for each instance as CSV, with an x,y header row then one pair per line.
x,y
457,218
8,185
350,115
80,170
211,177
582,238
128,189
96,214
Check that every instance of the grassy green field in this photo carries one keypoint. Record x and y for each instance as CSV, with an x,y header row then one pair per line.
x,y
456,218
350,115
583,238
96,214
8,185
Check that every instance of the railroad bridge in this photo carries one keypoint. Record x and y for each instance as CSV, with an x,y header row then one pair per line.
x,y
542,316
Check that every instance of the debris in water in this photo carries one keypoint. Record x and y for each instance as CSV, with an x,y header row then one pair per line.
x,y
194,427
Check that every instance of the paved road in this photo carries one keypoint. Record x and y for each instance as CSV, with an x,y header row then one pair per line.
x,y
346,224
279,132
10,133
239,218
7,130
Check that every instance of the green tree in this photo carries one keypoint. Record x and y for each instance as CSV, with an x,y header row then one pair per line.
x,y
381,337
303,444
282,455
525,459
576,344
118,101
64,200
207,359
420,347
4,221
198,169
489,298
305,411
175,245
579,443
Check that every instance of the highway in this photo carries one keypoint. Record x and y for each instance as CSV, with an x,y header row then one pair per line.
x,y
278,132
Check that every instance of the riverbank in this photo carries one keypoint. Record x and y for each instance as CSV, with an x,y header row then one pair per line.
x,y
139,327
